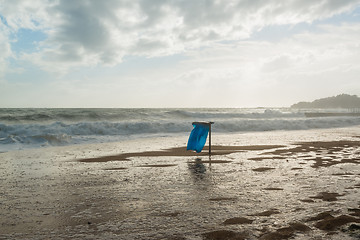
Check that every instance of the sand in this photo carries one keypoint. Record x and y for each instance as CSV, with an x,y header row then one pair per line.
x,y
269,185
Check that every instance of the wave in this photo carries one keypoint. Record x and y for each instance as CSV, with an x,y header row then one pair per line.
x,y
155,123
15,116
235,113
66,115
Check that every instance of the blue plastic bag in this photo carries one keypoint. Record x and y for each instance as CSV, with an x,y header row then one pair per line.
x,y
198,137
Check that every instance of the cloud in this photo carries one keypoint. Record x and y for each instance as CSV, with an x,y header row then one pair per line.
x,y
5,49
27,14
90,32
312,63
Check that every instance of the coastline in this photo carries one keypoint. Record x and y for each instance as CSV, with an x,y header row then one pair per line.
x,y
259,185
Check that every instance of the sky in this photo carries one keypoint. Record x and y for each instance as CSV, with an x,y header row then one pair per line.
x,y
177,53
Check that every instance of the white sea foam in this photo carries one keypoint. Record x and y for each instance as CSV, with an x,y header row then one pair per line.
x,y
23,128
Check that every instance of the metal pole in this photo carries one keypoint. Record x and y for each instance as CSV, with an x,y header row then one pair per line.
x,y
210,139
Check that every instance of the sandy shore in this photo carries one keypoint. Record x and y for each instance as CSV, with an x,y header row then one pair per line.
x,y
269,185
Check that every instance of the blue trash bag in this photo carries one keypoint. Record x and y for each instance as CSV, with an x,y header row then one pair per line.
x,y
198,137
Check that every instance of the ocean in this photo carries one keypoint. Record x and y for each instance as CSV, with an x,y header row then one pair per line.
x,y
36,128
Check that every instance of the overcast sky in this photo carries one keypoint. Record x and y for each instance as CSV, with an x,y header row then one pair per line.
x,y
179,53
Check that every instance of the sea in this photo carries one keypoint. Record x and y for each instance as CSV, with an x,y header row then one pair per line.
x,y
23,128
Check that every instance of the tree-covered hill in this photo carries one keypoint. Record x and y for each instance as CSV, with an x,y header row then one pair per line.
x,y
339,101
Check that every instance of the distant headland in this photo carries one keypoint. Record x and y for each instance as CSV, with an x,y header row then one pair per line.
x,y
343,101
340,101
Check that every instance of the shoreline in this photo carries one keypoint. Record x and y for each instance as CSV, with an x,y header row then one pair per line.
x,y
265,185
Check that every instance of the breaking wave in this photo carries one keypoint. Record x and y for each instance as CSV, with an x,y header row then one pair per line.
x,y
23,128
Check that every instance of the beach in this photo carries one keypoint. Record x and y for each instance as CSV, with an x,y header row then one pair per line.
x,y
300,184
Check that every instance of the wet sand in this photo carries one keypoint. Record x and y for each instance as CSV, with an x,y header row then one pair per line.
x,y
272,185
181,152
